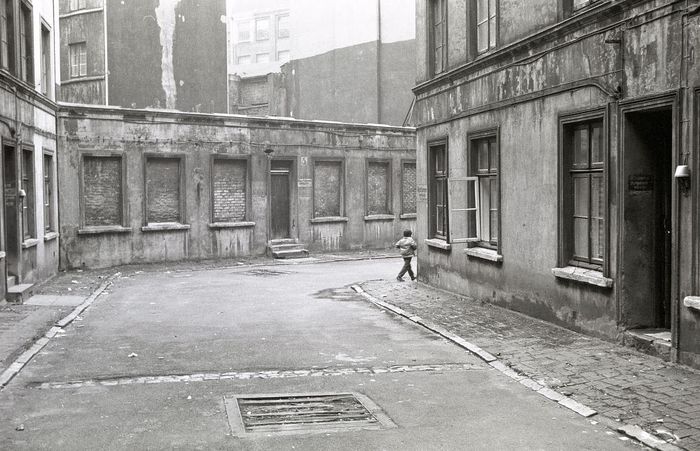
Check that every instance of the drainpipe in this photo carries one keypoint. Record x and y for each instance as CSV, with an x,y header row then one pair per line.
x,y
104,27
379,61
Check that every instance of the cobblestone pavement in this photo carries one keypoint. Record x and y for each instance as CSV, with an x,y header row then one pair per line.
x,y
618,382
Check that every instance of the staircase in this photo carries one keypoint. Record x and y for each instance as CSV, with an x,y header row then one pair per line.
x,y
286,248
16,294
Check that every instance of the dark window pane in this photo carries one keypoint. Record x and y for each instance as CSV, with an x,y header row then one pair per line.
x,y
581,146
581,196
597,144
483,147
493,155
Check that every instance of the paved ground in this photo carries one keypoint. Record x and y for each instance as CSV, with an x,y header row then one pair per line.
x,y
155,361
618,382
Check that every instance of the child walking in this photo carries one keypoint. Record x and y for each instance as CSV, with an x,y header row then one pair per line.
x,y
408,246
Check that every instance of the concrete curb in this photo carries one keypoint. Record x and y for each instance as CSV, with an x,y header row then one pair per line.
x,y
27,355
632,431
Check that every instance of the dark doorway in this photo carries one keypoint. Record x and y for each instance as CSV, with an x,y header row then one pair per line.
x,y
11,210
648,176
280,180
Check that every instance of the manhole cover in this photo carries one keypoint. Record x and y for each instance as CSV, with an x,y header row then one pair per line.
x,y
302,413
265,272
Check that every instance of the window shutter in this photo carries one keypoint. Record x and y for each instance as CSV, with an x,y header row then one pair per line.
x,y
464,209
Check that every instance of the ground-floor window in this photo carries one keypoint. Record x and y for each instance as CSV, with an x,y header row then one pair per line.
x,y
102,191
229,188
163,189
584,194
437,176
484,162
28,215
328,188
408,187
48,193
378,188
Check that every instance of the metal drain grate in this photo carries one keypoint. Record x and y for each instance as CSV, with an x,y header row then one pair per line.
x,y
300,413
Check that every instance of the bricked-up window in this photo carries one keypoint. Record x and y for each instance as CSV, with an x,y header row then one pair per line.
x,y
78,59
584,193
328,188
45,60
437,205
102,191
7,35
163,190
438,35
229,190
26,44
486,25
49,225
408,188
378,188
28,226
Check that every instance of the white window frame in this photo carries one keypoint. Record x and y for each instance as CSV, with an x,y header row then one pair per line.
x,y
463,206
77,55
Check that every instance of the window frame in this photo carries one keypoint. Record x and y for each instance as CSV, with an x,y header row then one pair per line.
x,y
257,34
26,42
473,139
278,19
567,122
76,5
258,55
46,51
389,198
432,42
241,23
404,163
7,37
433,176
28,185
124,201
341,206
81,45
248,198
49,178
182,194
474,25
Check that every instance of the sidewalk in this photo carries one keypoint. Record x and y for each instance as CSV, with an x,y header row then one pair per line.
x,y
619,383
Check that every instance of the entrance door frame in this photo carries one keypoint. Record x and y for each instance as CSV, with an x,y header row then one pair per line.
x,y
293,210
664,101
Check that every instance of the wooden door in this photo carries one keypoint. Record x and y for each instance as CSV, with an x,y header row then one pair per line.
x,y
279,203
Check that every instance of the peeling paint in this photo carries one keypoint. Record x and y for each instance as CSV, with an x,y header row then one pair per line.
x,y
165,13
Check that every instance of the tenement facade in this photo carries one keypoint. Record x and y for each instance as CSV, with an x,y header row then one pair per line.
x,y
557,160
151,186
29,225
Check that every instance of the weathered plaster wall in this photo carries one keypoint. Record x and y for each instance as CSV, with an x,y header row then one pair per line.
x,y
89,28
167,54
524,90
136,134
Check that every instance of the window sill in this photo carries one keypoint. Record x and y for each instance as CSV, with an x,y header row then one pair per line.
x,y
409,216
380,217
50,236
31,242
329,219
3,254
484,254
439,244
231,225
95,230
165,227
692,302
583,275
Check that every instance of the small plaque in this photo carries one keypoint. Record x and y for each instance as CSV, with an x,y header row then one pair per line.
x,y
422,193
641,183
305,183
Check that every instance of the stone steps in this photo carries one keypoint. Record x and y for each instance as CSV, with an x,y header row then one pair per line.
x,y
286,248
656,342
18,293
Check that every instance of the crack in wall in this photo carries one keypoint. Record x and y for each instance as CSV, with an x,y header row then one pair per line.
x,y
166,17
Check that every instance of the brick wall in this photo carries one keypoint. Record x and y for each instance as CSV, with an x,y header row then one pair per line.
x,y
377,188
229,190
408,188
254,91
102,190
163,190
327,188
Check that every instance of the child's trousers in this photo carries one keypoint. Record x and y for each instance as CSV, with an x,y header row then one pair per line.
x,y
407,268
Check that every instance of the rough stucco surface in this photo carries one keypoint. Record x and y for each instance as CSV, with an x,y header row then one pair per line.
x,y
186,197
